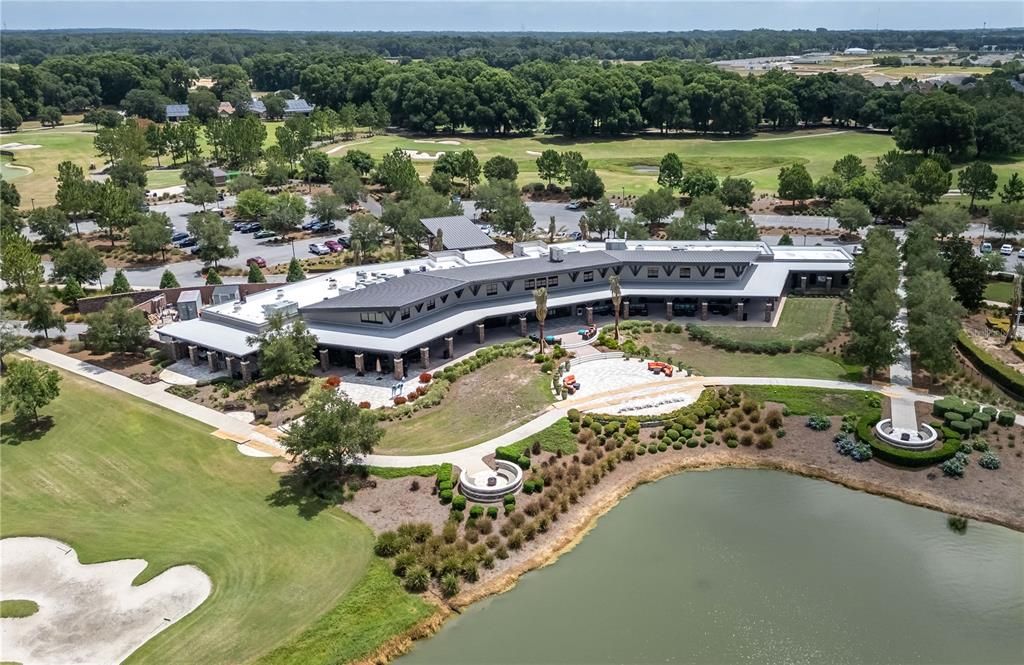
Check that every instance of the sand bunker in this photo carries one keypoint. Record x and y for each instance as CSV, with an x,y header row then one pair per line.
x,y
416,154
87,613
440,142
19,146
533,152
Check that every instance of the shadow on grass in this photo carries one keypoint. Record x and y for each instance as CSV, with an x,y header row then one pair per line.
x,y
311,494
17,432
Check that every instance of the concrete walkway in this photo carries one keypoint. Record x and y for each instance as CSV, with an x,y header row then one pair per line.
x,y
900,372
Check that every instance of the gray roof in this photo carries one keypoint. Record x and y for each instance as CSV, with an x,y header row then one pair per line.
x,y
177,110
297,105
458,232
397,292
189,296
739,255
256,106
218,172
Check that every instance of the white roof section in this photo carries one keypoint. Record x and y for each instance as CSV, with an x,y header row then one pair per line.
x,y
211,335
457,232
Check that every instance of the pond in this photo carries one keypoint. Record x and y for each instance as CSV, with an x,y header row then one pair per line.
x,y
9,171
744,566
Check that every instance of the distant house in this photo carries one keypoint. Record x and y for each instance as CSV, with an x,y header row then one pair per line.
x,y
256,106
855,51
225,109
176,112
220,176
457,232
297,106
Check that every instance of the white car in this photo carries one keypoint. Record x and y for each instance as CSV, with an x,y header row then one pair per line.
x,y
319,249
1020,254
858,250
1006,250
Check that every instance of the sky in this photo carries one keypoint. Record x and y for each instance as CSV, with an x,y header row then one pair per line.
x,y
508,15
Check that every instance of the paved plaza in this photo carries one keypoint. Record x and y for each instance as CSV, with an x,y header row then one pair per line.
x,y
611,373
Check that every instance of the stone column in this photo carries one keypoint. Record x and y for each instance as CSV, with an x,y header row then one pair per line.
x,y
803,282
703,310
246,366
174,351
425,356
193,354
828,283
449,347
360,364
211,360
325,360
399,367
229,365
590,314
668,310
739,311
523,330
625,309
480,333
769,310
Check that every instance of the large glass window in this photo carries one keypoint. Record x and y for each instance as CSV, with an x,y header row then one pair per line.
x,y
588,276
492,289
371,317
553,281
684,273
652,272
405,313
431,304
719,273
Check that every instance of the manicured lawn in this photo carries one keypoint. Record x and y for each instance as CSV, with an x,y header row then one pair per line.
x,y
158,178
709,361
17,609
999,291
119,478
481,405
801,318
57,145
806,401
554,438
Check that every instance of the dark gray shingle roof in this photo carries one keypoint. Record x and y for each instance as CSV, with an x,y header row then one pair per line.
x,y
686,256
397,292
457,232
176,110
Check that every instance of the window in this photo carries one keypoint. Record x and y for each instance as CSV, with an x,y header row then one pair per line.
x,y
719,273
431,304
371,317
542,282
553,281
528,284
684,273
492,289
652,272
588,276
405,313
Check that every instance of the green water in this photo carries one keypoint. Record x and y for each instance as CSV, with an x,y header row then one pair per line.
x,y
742,566
8,172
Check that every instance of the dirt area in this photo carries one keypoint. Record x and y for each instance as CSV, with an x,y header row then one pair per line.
x,y
991,340
393,502
279,399
136,366
121,256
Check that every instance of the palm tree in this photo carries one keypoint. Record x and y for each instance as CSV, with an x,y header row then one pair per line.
x,y
584,228
540,298
613,282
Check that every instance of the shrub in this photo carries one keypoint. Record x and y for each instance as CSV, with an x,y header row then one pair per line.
x,y
980,446
523,462
417,579
773,419
952,416
662,447
819,423
954,467
425,377
364,405
509,500
449,585
459,502
1006,418
640,451
961,427
389,544
677,445
999,372
446,496
746,439
692,443
399,400
732,443
861,452
445,485
780,433
765,441
975,425
989,460
492,512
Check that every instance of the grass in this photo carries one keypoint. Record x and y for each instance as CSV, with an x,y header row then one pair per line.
x,y
806,401
999,291
159,178
709,361
154,485
494,399
424,471
17,609
801,318
553,438
375,610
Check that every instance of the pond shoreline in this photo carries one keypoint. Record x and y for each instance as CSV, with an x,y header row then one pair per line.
x,y
603,499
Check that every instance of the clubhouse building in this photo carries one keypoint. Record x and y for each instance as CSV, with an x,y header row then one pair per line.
x,y
406,315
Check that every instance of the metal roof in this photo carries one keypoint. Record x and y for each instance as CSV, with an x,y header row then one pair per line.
x,y
297,105
738,255
457,232
390,294
256,106
177,110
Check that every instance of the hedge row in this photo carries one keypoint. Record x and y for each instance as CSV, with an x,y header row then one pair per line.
x,y
999,372
914,458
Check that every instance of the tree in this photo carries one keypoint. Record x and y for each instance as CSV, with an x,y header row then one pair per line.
x,y
670,171
655,206
367,230
118,327
705,209
72,292
795,183
572,164
200,193
440,182
242,183
102,118
115,208
346,183
967,274
51,224
80,261
332,434
896,202
683,228
202,105
28,387
978,181
213,277
156,141
74,195
294,137
785,240
194,172
935,123
37,311
274,104
849,167
1013,190
632,229
148,104
501,168
20,267
285,213
934,321
168,280
151,234
851,215
930,180
315,166
361,161
50,115
944,221
586,184
11,340
699,182
830,187
295,273
213,237
286,350
327,208
120,284
602,218
540,303
873,303
9,194
513,218
255,275
10,119
252,204
1007,218
737,227
549,165
128,172
396,172
616,290
736,193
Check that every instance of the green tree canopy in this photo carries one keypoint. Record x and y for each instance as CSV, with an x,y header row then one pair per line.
x,y
118,327
500,167
706,210
19,265
736,193
699,182
851,215
654,206
795,183
978,181
670,171
37,311
28,387
285,349
332,434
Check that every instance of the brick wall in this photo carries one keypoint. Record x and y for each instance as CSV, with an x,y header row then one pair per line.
x,y
96,303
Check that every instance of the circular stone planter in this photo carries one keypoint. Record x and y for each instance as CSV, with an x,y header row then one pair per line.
x,y
492,485
922,439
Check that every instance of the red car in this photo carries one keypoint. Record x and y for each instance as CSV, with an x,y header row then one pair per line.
x,y
257,261
333,245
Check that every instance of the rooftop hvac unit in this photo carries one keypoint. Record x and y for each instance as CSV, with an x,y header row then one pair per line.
x,y
407,271
556,254
361,274
279,294
614,243
332,283
423,268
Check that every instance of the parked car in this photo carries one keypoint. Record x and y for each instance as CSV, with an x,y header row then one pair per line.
x,y
333,245
264,234
257,261
1006,250
323,227
251,227
574,205
986,248
308,224
194,251
858,250
178,236
576,235
345,243
187,241
1020,254
318,249
239,225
